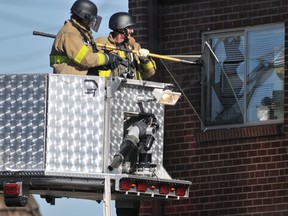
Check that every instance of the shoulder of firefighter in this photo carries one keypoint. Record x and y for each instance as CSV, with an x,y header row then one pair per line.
x,y
72,51
101,42
133,65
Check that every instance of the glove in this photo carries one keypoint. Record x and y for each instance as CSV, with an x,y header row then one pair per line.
x,y
143,53
114,61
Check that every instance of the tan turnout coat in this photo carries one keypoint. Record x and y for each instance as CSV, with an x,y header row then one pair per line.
x,y
72,52
143,68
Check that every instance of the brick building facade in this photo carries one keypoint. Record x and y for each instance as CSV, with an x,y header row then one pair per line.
x,y
235,169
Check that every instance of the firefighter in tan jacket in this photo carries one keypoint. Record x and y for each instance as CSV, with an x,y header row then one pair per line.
x,y
136,66
74,50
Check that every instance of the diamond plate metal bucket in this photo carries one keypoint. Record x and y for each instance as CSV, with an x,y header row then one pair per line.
x,y
22,122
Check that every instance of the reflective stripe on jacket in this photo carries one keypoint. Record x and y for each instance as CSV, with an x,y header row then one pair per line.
x,y
104,73
72,52
107,73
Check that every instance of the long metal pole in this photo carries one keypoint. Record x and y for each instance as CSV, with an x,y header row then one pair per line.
x,y
105,46
106,152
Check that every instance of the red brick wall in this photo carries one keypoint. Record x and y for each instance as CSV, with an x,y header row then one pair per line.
x,y
139,11
233,172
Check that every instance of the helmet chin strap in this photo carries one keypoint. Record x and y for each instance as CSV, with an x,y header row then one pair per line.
x,y
80,21
124,32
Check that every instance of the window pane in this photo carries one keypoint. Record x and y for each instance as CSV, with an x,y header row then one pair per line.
x,y
265,68
243,76
224,85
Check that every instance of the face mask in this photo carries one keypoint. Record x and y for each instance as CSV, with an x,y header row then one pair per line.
x,y
95,23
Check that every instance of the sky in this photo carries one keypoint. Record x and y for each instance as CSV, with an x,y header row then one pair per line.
x,y
22,52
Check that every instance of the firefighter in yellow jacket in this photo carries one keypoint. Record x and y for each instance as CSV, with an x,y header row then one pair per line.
x,y
136,66
74,50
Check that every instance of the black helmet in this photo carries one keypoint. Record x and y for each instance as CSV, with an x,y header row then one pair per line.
x,y
87,12
121,20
